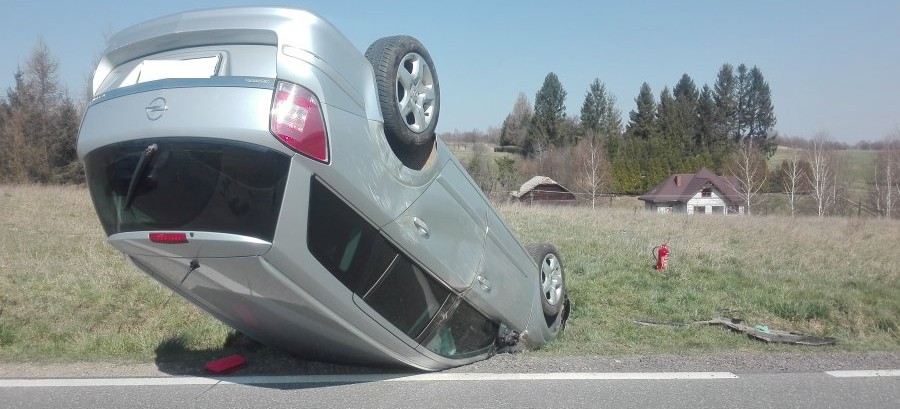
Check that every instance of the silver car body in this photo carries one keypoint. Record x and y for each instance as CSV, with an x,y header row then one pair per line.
x,y
272,288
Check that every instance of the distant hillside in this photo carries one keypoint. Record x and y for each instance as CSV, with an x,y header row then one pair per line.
x,y
857,166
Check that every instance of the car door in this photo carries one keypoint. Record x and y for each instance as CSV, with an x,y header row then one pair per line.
x,y
506,283
444,229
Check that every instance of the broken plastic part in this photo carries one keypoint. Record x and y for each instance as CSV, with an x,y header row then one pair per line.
x,y
507,337
226,365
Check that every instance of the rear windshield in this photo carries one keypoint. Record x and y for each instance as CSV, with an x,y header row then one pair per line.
x,y
198,184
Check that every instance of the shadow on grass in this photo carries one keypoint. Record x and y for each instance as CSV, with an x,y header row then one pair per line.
x,y
174,357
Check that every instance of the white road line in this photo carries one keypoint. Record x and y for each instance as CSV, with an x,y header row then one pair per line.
x,y
328,379
864,374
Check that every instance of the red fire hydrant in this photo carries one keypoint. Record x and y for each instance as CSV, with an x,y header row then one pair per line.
x,y
662,256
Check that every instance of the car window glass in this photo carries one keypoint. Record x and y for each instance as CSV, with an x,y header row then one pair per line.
x,y
467,333
189,184
407,297
343,242
355,253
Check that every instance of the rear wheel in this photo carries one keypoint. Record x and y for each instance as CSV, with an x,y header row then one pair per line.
x,y
551,283
408,95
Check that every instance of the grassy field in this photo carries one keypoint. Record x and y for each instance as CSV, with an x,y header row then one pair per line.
x,y
67,295
857,167
828,277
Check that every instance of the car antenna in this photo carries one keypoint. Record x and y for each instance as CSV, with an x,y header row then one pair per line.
x,y
191,267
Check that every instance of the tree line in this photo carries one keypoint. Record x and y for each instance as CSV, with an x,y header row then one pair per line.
x,y
39,126
684,129
727,127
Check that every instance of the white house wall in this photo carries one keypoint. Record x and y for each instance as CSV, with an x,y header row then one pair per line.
x,y
714,199
664,207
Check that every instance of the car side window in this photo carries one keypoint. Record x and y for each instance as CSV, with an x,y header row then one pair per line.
x,y
355,253
407,297
344,243
467,333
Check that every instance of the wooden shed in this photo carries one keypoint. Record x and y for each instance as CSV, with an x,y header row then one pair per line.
x,y
541,189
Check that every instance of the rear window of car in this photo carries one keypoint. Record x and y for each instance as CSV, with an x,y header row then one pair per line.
x,y
195,184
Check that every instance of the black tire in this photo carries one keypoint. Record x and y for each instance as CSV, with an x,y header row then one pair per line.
x,y
409,96
551,280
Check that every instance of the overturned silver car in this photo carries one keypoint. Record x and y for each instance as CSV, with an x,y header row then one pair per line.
x,y
255,162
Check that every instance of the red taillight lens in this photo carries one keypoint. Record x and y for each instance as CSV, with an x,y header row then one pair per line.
x,y
168,238
296,120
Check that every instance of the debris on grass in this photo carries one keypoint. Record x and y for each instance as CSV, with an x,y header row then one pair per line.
x,y
759,332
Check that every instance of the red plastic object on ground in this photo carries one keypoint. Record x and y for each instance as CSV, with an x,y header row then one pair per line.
x,y
662,257
226,365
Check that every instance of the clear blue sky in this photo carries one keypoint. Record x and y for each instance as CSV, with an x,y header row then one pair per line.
x,y
832,65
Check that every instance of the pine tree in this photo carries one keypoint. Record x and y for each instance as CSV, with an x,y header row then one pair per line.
x,y
744,107
669,147
593,109
66,168
761,113
611,127
549,114
668,122
642,124
725,98
708,130
742,115
687,100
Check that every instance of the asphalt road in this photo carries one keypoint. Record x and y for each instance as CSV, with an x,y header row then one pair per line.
x,y
583,390
769,380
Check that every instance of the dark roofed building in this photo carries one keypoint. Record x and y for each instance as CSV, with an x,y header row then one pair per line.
x,y
701,193
541,189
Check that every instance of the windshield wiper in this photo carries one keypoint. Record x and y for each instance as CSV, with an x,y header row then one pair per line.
x,y
138,175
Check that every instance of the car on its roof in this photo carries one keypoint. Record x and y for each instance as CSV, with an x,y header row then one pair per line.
x,y
255,162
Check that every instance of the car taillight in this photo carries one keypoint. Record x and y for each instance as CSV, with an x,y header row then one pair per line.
x,y
296,120
169,238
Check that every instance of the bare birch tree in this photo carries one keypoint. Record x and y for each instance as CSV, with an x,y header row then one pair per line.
x,y
886,190
793,177
748,173
594,170
822,172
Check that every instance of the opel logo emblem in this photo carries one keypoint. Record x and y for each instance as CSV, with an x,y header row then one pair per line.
x,y
156,109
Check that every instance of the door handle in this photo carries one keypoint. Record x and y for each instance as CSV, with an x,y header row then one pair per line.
x,y
485,283
421,227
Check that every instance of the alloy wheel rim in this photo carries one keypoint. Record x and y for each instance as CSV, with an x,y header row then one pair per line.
x,y
415,92
551,279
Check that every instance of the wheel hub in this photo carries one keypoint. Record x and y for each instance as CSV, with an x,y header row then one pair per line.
x,y
415,92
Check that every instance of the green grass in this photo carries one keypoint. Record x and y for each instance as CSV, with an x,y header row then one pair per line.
x,y
857,167
65,294
830,277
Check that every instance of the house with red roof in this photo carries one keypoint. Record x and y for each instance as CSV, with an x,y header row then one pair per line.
x,y
703,192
